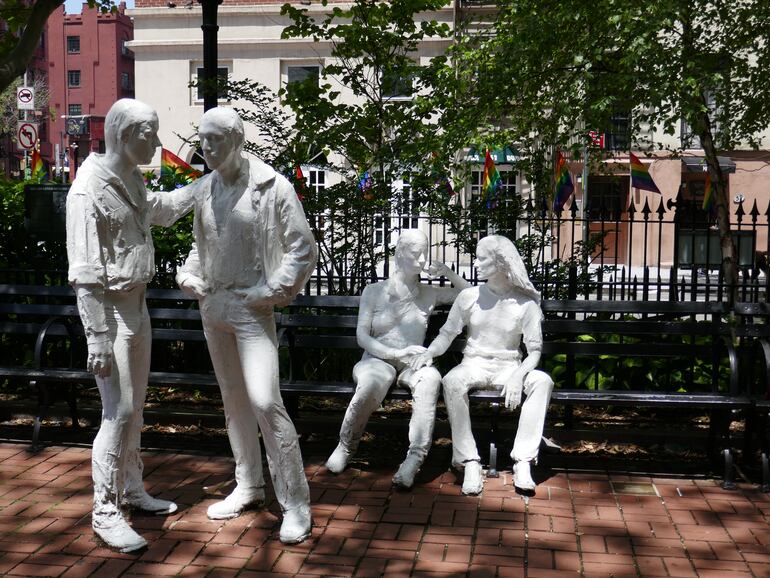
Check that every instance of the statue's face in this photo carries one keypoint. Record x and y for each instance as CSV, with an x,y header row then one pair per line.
x,y
139,146
411,258
486,265
217,144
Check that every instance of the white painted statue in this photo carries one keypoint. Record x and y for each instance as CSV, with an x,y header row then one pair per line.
x,y
253,249
498,316
111,259
392,321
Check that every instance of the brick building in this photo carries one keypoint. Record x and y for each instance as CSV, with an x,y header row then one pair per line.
x,y
89,68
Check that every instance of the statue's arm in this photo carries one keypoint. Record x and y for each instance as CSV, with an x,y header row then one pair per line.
x,y
167,207
189,276
87,275
300,249
445,295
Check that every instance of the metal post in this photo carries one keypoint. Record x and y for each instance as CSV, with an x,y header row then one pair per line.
x,y
210,29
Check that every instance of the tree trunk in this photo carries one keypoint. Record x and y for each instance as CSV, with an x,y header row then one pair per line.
x,y
722,207
13,64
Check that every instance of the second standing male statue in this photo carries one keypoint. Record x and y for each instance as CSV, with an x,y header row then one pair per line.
x,y
253,250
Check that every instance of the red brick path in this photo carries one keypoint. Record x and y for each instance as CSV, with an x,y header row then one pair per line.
x,y
578,524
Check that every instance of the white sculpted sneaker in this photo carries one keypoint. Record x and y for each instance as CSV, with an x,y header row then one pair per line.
x,y
473,481
339,459
147,503
522,476
296,526
121,537
234,504
404,477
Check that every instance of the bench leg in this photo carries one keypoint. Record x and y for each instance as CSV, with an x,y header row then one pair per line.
x,y
492,471
43,402
72,401
765,472
729,483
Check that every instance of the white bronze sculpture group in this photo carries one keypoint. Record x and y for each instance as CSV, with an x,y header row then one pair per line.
x,y
254,250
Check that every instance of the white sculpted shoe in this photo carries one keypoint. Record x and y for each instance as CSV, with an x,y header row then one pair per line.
x,y
121,537
339,459
234,504
473,481
522,476
404,477
296,526
147,503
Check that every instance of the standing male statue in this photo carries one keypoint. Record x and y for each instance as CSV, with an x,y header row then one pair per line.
x,y
253,249
392,321
111,260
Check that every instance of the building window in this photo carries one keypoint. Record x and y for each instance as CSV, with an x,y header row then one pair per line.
x,y
300,73
74,109
73,44
73,78
222,72
397,87
125,81
124,47
690,139
620,131
315,181
607,197
406,208
508,188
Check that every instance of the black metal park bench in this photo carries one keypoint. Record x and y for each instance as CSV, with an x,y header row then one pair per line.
x,y
317,335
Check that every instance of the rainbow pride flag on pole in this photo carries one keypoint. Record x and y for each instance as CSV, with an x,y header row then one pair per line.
x,y
171,165
640,175
491,182
300,186
708,195
564,186
38,169
365,183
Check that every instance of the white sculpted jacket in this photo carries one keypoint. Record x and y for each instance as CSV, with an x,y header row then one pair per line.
x,y
279,251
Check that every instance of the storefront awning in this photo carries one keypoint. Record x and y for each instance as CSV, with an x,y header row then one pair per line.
x,y
502,156
698,164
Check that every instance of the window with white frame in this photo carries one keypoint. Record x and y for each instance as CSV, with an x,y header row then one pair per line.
x,y
296,73
197,77
405,209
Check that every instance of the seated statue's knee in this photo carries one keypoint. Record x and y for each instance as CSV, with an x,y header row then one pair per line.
x,y
541,380
429,377
454,383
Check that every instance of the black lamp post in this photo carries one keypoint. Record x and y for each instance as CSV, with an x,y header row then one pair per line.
x,y
210,28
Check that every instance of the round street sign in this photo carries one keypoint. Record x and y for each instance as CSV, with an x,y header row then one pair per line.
x,y
25,98
26,135
25,95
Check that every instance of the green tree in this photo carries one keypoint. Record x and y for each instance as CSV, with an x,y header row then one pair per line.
x,y
370,112
552,69
24,22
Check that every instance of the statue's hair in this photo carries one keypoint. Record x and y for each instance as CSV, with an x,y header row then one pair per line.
x,y
124,116
508,260
228,120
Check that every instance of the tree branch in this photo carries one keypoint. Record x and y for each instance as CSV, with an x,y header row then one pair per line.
x,y
13,64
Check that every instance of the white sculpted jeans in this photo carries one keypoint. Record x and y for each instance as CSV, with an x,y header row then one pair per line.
x,y
244,352
116,465
373,379
479,373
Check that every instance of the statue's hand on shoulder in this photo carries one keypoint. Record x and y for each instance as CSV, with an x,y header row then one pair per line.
x,y
192,285
439,269
258,296
512,389
100,356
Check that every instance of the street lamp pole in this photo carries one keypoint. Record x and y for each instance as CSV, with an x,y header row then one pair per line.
x,y
210,29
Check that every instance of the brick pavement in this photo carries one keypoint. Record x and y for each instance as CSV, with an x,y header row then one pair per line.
x,y
589,524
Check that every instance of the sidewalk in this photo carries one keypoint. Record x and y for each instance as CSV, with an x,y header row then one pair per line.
x,y
577,524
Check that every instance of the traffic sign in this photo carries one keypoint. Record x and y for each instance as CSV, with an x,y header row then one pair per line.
x,y
25,98
26,135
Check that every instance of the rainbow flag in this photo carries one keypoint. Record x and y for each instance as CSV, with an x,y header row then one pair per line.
x,y
491,182
300,186
171,165
640,175
365,183
38,169
564,186
708,195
